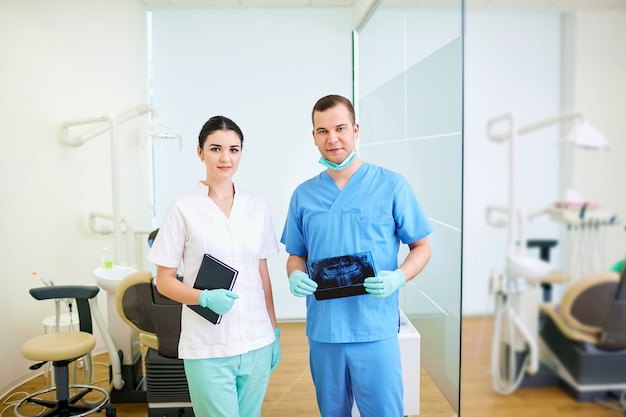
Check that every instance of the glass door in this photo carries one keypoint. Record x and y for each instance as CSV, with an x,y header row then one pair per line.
x,y
409,96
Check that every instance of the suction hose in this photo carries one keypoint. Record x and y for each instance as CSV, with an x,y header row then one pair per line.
x,y
116,365
503,370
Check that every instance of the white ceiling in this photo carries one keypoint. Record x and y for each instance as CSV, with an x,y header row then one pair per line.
x,y
546,5
509,5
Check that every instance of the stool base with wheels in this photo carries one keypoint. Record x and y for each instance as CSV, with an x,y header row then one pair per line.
x,y
67,408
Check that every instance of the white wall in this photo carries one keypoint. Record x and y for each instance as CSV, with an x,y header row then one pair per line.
x,y
599,89
267,79
62,60
512,63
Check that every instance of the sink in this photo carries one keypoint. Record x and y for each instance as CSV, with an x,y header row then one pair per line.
x,y
528,267
109,278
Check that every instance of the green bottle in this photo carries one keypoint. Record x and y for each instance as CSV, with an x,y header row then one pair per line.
x,y
107,260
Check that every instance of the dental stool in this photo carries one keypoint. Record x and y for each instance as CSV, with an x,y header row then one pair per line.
x,y
585,334
63,348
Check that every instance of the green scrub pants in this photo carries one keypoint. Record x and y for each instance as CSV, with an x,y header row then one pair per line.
x,y
231,386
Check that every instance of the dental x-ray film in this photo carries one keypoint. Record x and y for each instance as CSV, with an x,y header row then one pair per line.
x,y
341,276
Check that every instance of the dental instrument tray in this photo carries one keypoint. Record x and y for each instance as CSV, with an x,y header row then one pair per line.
x,y
213,274
341,276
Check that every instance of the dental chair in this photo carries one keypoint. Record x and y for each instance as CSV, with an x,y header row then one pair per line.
x,y
585,337
157,320
62,348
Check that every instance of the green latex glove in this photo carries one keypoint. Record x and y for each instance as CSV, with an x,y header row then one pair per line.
x,y
220,300
300,284
276,350
385,283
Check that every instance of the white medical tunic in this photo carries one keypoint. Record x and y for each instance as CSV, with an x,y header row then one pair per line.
x,y
194,225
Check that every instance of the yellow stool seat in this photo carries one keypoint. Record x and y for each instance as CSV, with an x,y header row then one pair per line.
x,y
58,346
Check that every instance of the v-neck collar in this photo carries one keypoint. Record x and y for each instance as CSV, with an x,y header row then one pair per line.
x,y
203,189
355,178
346,194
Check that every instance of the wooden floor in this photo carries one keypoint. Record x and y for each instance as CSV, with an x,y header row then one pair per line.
x,y
291,393
479,400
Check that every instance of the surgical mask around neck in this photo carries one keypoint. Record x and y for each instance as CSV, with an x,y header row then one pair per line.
x,y
337,167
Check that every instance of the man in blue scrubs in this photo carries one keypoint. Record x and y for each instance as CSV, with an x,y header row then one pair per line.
x,y
353,207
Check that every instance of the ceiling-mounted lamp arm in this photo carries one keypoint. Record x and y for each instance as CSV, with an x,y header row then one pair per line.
x,y
80,140
137,111
562,117
501,135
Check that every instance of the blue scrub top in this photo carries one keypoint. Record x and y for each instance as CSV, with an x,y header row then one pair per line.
x,y
375,211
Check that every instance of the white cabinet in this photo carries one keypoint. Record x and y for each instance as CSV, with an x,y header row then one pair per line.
x,y
410,353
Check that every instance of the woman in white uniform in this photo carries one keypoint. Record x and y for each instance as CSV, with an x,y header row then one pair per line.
x,y
227,364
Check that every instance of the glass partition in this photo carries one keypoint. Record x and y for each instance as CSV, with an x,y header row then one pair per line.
x,y
409,98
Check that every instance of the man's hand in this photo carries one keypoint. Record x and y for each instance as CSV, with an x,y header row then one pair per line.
x,y
385,283
300,284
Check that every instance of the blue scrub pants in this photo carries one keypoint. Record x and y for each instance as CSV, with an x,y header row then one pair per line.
x,y
369,372
231,386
